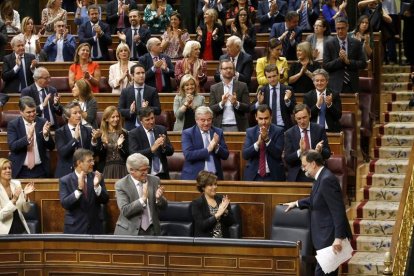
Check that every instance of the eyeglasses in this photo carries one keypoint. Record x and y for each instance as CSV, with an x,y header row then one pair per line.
x,y
226,68
243,15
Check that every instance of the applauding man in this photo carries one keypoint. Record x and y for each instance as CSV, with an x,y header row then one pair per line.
x,y
61,45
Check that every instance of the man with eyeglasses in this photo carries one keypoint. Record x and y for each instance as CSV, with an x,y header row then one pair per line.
x,y
81,194
61,45
45,96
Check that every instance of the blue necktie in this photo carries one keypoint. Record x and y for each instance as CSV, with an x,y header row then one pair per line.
x,y
274,105
210,163
45,109
155,158
22,74
322,113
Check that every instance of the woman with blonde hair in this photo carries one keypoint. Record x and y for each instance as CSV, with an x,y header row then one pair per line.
x,y
186,102
211,36
191,63
113,145
52,13
119,76
300,71
14,201
157,16
32,45
82,93
84,68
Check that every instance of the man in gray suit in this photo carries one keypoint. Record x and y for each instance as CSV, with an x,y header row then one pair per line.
x,y
139,197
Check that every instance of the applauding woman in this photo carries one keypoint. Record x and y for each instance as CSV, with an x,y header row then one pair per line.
x,y
211,36
84,68
32,45
211,213
81,91
119,77
243,28
186,102
113,145
52,13
13,201
174,38
157,16
191,64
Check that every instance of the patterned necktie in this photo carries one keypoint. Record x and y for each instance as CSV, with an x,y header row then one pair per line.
x,y
155,158
322,112
138,101
85,188
95,43
158,76
120,23
304,22
145,221
306,138
31,153
346,73
262,159
210,162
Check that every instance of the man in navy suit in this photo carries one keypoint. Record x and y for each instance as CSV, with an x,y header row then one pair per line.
x,y
18,67
72,136
61,45
325,104
136,37
289,34
263,149
29,137
270,12
308,11
45,96
300,138
243,62
278,97
158,67
329,225
81,194
137,96
117,14
152,141
343,57
97,34
203,146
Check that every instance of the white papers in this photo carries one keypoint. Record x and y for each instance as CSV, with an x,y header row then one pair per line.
x,y
329,261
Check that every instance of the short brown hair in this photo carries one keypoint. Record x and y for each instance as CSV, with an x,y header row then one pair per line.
x,y
205,178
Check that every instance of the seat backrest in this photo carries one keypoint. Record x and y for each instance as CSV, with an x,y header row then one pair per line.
x,y
235,231
104,85
165,119
6,117
61,84
365,103
210,81
231,166
176,219
337,165
32,218
175,164
349,126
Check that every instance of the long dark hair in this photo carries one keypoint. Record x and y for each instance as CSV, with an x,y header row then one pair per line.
x,y
237,20
359,22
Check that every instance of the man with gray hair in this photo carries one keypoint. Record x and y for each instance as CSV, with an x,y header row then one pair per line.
x,y
158,67
18,67
139,197
203,146
325,104
45,96
243,62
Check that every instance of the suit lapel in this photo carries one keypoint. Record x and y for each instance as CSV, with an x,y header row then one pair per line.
x,y
131,187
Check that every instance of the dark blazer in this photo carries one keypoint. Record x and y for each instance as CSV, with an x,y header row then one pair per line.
x,y
204,222
289,50
244,67
92,111
286,111
273,153
147,61
17,140
10,78
85,35
138,143
216,44
336,67
327,210
294,5
195,154
249,41
292,139
266,23
66,146
3,38
141,46
32,91
242,93
128,96
69,47
83,215
333,113
112,17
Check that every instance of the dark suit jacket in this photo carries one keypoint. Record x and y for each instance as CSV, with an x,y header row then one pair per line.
x,y
112,17
216,44
138,143
196,155
289,49
141,46
85,35
69,47
147,61
32,91
333,113
242,93
286,111
266,23
273,153
92,111
66,146
128,96
313,13
83,215
10,78
292,139
249,41
327,210
3,38
204,222
17,140
244,67
336,67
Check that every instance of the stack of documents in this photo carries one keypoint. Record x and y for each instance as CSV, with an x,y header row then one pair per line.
x,y
329,261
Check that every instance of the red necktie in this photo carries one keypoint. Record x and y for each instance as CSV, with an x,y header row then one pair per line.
x,y
158,77
262,159
306,138
85,188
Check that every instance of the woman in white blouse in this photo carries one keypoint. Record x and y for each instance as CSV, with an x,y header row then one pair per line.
x,y
119,75
32,45
10,17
